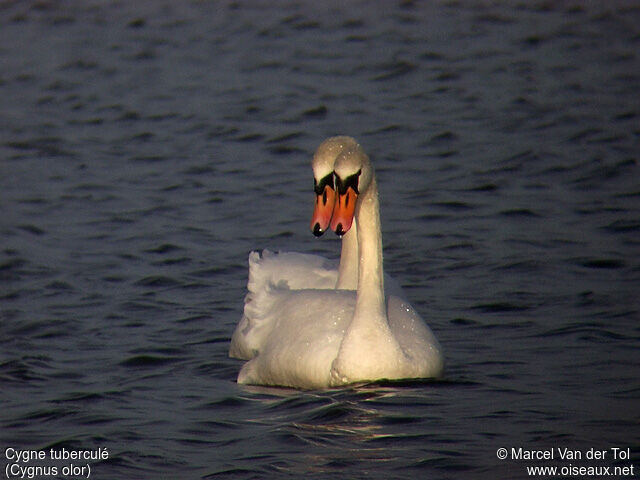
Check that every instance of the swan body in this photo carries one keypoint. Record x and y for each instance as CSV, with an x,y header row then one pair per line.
x,y
300,329
313,335
271,277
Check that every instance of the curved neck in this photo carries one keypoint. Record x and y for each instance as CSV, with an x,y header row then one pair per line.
x,y
348,270
370,301
369,338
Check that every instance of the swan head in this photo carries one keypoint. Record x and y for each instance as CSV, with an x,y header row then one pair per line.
x,y
353,174
323,180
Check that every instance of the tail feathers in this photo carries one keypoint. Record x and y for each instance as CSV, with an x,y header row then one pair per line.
x,y
258,276
291,270
269,274
256,321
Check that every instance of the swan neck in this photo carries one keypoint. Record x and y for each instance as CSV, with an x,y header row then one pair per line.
x,y
370,296
369,349
348,270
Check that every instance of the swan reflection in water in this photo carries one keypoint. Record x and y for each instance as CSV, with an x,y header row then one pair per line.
x,y
359,423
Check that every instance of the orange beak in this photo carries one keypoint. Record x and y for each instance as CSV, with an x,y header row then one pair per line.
x,y
323,210
343,211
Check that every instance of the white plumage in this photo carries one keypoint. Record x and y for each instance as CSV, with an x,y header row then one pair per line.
x,y
299,330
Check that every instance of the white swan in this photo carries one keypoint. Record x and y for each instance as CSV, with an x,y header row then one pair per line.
x,y
313,338
302,270
297,271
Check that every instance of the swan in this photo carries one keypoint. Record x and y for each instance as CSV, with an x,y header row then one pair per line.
x,y
297,271
318,338
302,270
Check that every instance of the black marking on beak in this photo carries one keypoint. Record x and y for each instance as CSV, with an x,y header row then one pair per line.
x,y
319,186
339,230
317,231
350,181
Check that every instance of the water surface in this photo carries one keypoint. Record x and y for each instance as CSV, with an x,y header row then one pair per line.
x,y
147,147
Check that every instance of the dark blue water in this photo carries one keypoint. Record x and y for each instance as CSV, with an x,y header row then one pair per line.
x,y
147,147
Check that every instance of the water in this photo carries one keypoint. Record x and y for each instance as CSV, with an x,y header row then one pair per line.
x,y
147,147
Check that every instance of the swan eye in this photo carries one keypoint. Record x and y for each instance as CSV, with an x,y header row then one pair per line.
x,y
319,186
350,181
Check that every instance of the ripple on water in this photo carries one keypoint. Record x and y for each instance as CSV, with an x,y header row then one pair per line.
x,y
148,148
